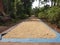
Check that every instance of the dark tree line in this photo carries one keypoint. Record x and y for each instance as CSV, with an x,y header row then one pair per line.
x,y
15,9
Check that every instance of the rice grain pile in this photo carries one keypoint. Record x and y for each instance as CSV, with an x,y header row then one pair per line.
x,y
31,29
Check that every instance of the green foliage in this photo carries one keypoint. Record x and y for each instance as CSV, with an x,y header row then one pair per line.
x,y
41,15
17,9
23,16
53,14
35,11
43,12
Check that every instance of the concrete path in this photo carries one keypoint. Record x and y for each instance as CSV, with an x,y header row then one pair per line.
x,y
32,30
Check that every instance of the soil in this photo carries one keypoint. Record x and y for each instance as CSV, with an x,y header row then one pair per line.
x,y
3,28
9,43
53,26
8,25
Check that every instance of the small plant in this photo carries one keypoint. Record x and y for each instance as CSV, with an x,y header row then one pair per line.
x,y
41,15
53,14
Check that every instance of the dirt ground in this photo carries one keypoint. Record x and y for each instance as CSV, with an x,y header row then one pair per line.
x,y
29,43
3,28
54,26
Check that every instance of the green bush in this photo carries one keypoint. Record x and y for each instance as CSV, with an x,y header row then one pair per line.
x,y
23,16
42,15
53,14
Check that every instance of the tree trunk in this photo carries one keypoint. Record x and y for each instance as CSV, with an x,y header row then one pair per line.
x,y
15,8
51,3
1,8
58,3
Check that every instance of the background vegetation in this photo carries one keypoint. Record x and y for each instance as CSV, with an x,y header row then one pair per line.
x,y
49,13
14,10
